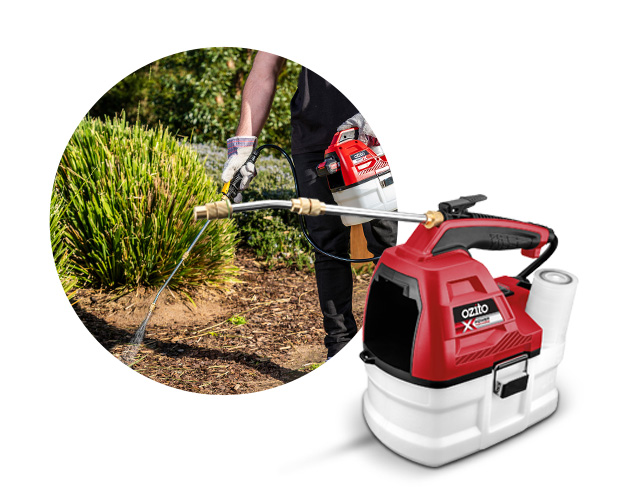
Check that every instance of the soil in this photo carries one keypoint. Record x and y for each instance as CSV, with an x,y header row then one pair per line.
x,y
264,331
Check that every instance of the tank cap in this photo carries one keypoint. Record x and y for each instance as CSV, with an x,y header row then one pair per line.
x,y
555,277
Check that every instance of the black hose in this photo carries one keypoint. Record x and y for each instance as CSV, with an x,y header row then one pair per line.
x,y
303,224
552,245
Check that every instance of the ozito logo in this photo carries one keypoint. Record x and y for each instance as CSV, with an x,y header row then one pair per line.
x,y
477,309
358,156
474,316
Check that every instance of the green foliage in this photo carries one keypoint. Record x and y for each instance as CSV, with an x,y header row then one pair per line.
x,y
275,236
129,193
237,320
197,94
59,246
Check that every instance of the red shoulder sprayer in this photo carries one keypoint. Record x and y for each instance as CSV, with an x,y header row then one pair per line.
x,y
358,175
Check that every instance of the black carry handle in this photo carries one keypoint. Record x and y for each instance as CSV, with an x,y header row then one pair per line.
x,y
501,235
495,238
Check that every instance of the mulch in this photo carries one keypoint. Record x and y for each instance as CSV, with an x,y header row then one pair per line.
x,y
264,331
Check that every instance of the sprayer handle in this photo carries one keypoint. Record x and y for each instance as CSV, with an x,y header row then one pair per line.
x,y
231,188
489,233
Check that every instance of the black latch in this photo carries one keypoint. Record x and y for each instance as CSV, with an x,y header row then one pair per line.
x,y
509,380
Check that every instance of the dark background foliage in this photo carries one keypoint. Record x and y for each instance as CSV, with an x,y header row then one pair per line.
x,y
197,95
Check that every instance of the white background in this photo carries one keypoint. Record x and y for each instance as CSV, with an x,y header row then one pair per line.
x,y
536,105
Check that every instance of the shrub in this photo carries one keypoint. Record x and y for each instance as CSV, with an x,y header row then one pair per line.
x,y
130,193
59,245
197,94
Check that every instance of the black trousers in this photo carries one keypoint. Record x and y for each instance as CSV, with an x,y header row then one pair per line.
x,y
335,284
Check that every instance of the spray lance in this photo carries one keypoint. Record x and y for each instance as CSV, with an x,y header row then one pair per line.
x,y
447,211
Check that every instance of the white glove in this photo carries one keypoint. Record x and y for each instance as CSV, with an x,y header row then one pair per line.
x,y
239,148
365,133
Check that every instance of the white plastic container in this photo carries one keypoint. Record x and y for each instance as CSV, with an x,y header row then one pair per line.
x,y
372,194
436,426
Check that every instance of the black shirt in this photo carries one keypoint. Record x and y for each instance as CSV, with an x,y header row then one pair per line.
x,y
317,109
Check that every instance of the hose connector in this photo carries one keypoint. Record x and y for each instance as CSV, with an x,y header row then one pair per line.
x,y
434,219
213,211
307,207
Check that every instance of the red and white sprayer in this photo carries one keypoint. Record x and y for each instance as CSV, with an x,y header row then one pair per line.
x,y
457,361
358,175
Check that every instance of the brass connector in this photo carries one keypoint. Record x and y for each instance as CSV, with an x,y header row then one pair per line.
x,y
434,219
307,207
213,211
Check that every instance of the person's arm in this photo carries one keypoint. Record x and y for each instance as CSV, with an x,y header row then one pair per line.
x,y
257,97
258,93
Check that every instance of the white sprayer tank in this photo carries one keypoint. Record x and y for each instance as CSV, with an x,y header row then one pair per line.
x,y
436,426
376,193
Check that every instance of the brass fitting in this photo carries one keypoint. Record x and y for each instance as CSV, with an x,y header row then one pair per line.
x,y
213,211
434,219
307,207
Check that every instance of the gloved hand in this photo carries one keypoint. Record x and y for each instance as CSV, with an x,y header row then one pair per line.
x,y
365,133
239,148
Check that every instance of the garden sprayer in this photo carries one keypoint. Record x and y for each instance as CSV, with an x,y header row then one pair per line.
x,y
456,359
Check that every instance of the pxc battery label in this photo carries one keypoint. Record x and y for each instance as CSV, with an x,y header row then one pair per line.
x,y
474,316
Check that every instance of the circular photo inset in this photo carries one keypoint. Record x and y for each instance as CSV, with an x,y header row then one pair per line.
x,y
174,226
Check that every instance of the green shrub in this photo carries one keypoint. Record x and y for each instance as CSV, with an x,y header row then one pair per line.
x,y
275,236
59,245
130,193
197,94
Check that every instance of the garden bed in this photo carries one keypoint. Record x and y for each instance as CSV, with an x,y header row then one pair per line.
x,y
266,330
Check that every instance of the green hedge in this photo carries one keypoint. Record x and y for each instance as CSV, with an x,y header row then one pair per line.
x,y
197,95
59,244
129,194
